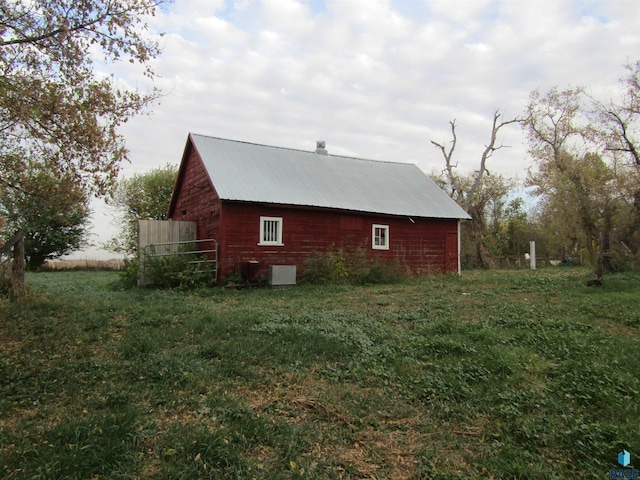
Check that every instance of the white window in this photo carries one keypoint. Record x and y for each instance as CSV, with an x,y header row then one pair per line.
x,y
270,231
380,237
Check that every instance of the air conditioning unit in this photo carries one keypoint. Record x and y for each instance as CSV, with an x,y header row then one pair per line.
x,y
282,275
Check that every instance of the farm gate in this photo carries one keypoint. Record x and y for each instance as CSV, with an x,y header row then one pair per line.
x,y
162,240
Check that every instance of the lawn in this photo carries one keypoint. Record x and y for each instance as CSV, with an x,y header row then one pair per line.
x,y
495,374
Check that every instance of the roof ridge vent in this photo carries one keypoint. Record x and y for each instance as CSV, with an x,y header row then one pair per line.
x,y
321,147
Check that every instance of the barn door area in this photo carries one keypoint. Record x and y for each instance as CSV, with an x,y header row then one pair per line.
x,y
451,252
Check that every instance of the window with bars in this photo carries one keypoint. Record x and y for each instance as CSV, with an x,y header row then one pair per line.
x,y
380,237
270,231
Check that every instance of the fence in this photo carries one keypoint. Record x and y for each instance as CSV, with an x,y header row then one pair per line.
x,y
515,261
163,231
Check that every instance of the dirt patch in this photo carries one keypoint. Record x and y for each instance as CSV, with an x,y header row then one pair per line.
x,y
374,443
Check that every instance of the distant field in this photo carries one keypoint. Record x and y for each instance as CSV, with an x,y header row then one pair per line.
x,y
113,264
495,374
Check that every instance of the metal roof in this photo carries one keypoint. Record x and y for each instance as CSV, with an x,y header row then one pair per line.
x,y
259,173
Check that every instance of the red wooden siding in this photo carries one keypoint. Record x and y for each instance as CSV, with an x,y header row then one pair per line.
x,y
195,198
421,244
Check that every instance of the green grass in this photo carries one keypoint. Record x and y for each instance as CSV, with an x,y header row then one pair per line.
x,y
503,374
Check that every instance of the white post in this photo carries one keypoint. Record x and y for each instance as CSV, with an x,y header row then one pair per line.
x,y
532,252
459,248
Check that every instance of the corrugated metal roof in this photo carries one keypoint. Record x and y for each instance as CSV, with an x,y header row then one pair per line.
x,y
259,173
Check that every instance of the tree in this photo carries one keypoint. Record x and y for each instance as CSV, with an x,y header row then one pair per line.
x,y
53,216
56,113
577,185
616,128
619,122
475,192
556,143
59,117
144,196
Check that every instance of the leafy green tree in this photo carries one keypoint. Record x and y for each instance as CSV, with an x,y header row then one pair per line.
x,y
59,118
511,229
54,216
144,196
586,174
557,140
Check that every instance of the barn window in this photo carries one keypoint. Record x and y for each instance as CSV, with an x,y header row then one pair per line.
x,y
270,231
380,237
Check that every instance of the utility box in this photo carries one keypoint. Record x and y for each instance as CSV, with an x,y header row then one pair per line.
x,y
282,275
248,270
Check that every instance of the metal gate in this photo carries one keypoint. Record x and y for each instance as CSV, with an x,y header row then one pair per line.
x,y
202,255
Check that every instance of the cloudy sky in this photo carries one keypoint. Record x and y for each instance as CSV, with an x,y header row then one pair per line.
x,y
375,79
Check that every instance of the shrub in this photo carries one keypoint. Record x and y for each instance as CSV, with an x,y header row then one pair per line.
x,y
177,271
625,263
129,272
352,267
181,268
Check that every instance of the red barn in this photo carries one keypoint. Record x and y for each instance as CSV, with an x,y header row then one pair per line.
x,y
278,206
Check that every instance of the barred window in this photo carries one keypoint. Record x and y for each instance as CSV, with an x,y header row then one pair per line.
x,y
270,231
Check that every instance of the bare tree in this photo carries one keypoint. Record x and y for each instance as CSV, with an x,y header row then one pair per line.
x,y
473,192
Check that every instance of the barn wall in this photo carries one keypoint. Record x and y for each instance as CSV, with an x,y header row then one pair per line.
x,y
421,245
196,199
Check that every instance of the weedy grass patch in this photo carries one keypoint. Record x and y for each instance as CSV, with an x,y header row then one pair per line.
x,y
503,374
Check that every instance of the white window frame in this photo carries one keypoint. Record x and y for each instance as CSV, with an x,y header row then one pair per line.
x,y
385,236
269,222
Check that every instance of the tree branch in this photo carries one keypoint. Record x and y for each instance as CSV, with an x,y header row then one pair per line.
x,y
487,153
630,146
453,181
62,30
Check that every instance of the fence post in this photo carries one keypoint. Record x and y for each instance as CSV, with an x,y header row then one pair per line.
x,y
532,252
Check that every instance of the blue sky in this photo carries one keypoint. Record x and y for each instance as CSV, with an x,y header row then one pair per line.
x,y
376,79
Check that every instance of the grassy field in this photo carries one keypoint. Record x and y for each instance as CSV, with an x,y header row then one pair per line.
x,y
497,374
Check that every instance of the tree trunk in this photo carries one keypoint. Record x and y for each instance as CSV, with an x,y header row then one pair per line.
x,y
605,244
484,257
631,236
593,250
18,288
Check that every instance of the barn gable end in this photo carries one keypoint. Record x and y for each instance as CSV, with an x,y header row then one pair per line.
x,y
195,197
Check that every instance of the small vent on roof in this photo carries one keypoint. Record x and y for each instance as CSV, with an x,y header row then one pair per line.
x,y
321,147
